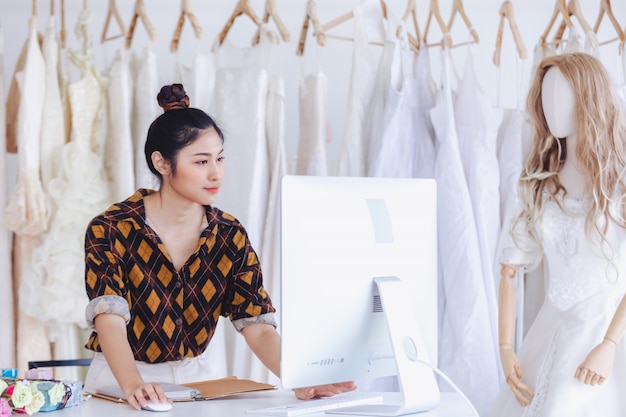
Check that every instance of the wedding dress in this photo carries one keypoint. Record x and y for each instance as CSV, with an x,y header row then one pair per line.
x,y
582,294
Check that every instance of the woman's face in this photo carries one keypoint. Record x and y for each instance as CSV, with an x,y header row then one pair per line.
x,y
199,169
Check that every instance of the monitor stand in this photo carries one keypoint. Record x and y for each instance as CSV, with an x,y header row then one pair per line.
x,y
418,387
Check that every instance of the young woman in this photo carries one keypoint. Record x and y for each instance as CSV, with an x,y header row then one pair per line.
x,y
573,215
163,266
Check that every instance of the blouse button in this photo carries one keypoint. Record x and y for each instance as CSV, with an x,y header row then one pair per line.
x,y
179,322
178,285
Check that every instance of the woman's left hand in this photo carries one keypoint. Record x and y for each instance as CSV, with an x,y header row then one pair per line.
x,y
597,366
324,390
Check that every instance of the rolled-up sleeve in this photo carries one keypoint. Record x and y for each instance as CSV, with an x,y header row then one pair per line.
x,y
104,283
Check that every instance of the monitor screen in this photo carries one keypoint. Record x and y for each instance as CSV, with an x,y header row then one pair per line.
x,y
359,282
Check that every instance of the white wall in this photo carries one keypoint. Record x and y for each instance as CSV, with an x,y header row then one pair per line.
x,y
334,59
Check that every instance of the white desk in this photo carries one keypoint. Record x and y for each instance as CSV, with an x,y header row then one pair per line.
x,y
452,405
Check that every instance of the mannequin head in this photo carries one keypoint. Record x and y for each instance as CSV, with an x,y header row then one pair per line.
x,y
580,82
559,103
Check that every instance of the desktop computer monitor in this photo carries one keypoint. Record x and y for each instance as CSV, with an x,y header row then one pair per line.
x,y
359,285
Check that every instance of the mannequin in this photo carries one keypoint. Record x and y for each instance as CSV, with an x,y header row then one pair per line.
x,y
572,213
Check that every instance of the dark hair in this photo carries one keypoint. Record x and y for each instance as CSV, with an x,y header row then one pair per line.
x,y
176,128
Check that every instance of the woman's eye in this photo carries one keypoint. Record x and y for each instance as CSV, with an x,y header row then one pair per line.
x,y
221,158
203,162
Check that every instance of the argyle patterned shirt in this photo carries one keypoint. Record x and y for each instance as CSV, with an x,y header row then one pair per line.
x,y
170,314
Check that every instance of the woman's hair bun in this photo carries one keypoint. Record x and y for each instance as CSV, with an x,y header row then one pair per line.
x,y
173,97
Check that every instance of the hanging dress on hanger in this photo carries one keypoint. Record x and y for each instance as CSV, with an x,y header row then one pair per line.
x,y
270,259
7,330
477,123
425,155
54,286
392,153
26,206
199,81
313,124
351,156
118,144
53,122
26,211
241,86
145,110
466,348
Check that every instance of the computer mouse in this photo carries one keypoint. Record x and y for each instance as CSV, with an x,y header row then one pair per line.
x,y
152,406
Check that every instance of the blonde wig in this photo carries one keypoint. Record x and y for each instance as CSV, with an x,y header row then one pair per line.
x,y
600,148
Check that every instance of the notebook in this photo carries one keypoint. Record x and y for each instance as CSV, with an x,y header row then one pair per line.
x,y
203,390
173,391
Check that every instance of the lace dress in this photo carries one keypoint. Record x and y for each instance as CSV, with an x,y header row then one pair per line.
x,y
582,294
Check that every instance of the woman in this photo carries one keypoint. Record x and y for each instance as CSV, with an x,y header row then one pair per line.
x,y
162,266
573,210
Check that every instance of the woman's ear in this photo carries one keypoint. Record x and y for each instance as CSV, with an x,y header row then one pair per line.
x,y
160,163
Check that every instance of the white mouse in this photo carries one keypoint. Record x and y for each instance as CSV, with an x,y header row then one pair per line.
x,y
151,406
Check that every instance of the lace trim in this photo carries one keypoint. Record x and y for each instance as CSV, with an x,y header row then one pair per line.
x,y
543,385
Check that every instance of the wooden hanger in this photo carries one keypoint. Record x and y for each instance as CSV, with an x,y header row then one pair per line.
x,y
272,11
605,8
243,8
140,13
433,11
573,9
560,8
410,13
319,30
506,12
310,15
185,10
112,11
457,7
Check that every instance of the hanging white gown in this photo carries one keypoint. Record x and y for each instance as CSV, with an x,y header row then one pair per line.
x,y
270,259
466,348
7,330
477,130
313,138
351,156
425,156
26,211
582,294
118,144
241,86
53,285
199,81
145,110
53,121
393,151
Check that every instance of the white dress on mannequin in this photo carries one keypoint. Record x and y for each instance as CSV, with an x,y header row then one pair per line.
x,y
579,304
466,348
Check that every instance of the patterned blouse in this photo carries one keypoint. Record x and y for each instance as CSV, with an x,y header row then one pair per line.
x,y
170,314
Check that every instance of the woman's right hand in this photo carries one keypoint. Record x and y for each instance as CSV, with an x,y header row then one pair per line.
x,y
138,396
513,374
